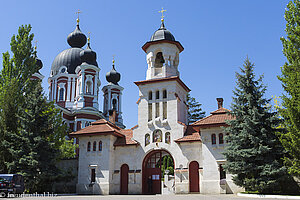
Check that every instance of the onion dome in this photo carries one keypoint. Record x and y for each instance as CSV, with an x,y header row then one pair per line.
x,y
88,55
162,34
76,38
70,57
113,76
39,63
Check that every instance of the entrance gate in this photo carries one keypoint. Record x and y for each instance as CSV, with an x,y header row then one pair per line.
x,y
152,169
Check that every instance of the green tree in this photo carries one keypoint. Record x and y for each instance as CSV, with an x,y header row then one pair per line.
x,y
254,153
290,79
32,132
195,111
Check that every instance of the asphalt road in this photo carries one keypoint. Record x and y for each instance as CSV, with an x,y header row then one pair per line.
x,y
137,197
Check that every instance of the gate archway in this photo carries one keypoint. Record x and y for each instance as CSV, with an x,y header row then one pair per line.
x,y
152,167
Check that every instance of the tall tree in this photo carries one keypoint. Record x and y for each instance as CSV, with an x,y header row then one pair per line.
x,y
195,111
32,132
254,153
290,79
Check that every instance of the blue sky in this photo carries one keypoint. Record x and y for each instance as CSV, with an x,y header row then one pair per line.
x,y
217,37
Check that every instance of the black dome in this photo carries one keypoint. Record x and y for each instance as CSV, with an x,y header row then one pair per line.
x,y
39,63
76,38
88,56
162,34
69,58
113,76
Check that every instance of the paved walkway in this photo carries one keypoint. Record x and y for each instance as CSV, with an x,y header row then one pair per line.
x,y
141,197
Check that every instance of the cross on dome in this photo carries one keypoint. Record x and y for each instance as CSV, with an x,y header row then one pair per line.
x,y
78,12
162,13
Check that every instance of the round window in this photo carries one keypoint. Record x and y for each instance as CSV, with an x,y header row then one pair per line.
x,y
63,70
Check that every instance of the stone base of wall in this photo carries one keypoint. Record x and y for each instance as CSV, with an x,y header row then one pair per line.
x,y
181,188
94,188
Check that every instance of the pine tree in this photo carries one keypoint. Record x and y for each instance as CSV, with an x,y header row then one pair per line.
x,y
195,111
254,153
290,79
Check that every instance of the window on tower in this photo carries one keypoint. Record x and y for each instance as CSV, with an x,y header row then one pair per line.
x,y
149,111
157,94
164,94
114,104
156,110
61,94
159,60
168,138
165,110
89,87
150,95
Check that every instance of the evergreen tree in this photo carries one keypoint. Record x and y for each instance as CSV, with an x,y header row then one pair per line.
x,y
254,153
195,111
32,132
290,79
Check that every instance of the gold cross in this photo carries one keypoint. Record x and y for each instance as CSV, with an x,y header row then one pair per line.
x,y
89,37
162,13
113,59
35,42
78,12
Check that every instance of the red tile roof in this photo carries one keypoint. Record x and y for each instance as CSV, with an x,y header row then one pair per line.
x,y
100,127
191,135
104,127
163,80
216,119
127,140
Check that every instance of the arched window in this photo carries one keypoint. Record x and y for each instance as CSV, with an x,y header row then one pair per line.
x,y
159,60
147,139
157,94
157,135
213,139
94,145
156,110
114,104
89,87
61,94
164,94
221,140
168,138
150,95
100,145
89,146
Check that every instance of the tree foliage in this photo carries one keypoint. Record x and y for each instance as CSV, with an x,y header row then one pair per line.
x,y
31,129
195,111
290,79
254,153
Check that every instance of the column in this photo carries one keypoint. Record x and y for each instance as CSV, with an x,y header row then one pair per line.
x,y
73,80
69,89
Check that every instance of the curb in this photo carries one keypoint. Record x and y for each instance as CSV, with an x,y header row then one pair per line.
x,y
262,196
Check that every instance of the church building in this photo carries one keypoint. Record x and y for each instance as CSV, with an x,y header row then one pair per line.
x,y
162,154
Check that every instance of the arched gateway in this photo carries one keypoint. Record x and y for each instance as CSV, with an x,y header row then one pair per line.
x,y
153,168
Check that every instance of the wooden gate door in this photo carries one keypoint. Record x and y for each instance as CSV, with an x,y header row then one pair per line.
x,y
153,170
194,176
124,179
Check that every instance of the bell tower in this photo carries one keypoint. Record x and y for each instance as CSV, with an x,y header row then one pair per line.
x,y
162,53
112,97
